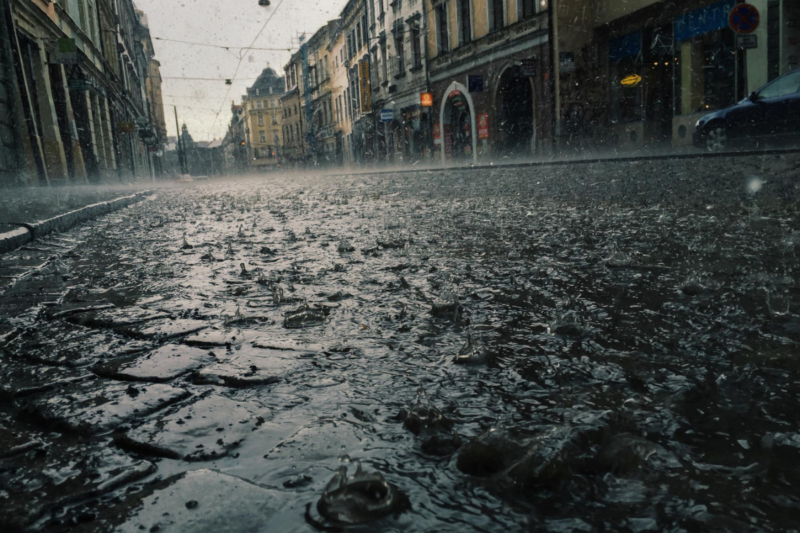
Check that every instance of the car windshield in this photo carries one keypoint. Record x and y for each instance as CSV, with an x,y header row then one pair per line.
x,y
784,86
399,266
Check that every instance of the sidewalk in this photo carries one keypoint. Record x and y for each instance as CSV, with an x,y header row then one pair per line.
x,y
34,204
30,213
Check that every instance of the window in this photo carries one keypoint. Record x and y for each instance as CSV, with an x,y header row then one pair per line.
x,y
351,45
263,136
528,8
274,120
496,15
399,39
441,27
416,45
260,105
707,77
260,119
358,36
365,29
464,22
383,65
781,87
275,139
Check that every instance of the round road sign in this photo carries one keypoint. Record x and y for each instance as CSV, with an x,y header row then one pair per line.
x,y
744,19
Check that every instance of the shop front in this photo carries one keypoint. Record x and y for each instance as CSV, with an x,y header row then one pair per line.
x,y
709,68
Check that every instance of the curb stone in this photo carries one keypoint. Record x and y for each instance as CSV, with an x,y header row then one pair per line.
x,y
27,233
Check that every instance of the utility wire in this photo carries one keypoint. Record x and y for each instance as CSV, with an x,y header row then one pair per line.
x,y
239,64
203,79
225,47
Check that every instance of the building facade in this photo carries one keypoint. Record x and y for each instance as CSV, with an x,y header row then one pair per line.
x,y
490,63
72,94
399,77
641,73
263,121
354,57
293,113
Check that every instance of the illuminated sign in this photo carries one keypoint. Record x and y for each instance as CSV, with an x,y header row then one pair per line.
x,y
426,99
631,81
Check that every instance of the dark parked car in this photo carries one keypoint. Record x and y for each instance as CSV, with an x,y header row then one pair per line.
x,y
771,113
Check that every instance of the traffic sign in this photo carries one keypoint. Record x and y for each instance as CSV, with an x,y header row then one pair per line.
x,y
631,81
387,115
744,19
747,41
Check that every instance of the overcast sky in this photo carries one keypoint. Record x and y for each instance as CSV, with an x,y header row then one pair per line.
x,y
233,23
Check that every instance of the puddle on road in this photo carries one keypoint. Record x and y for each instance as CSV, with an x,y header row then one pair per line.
x,y
627,368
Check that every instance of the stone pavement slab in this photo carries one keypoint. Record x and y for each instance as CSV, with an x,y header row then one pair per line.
x,y
203,501
62,344
166,329
224,337
98,406
204,430
116,317
159,366
47,477
247,367
19,377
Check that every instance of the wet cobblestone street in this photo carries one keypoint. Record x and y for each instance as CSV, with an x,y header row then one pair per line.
x,y
575,348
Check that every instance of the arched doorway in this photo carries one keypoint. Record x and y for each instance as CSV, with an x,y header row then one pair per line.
x,y
515,112
457,120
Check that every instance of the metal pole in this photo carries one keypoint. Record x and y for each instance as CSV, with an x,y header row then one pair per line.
x,y
554,72
179,145
429,115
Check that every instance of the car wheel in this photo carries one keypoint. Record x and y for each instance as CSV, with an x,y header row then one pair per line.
x,y
716,138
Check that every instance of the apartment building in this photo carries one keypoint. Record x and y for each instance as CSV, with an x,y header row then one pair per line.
x,y
263,114
490,77
399,77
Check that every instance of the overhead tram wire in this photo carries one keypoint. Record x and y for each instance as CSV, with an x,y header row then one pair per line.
x,y
239,64
224,47
202,79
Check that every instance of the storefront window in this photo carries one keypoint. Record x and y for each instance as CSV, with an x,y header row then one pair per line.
x,y
625,61
706,74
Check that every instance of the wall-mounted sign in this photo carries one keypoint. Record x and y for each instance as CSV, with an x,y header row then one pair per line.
x,y
483,126
747,41
366,93
426,99
528,67
387,115
566,61
126,127
66,52
631,81
475,83
80,85
448,142
457,98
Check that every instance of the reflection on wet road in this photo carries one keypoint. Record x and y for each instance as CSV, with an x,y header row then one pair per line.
x,y
432,352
